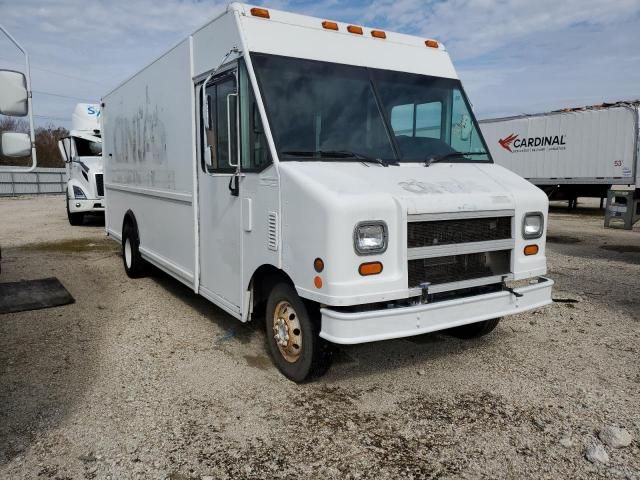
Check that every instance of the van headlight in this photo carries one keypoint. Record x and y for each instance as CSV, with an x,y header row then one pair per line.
x,y
370,237
532,225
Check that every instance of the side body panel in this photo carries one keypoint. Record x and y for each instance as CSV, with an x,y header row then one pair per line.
x,y
596,146
148,148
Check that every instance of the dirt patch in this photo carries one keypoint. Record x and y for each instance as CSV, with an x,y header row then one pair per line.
x,y
621,248
82,245
261,362
564,239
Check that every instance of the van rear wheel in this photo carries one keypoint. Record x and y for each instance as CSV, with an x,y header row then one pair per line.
x,y
293,336
474,330
134,265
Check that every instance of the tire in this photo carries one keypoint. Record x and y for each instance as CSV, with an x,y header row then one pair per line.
x,y
287,314
75,219
474,330
134,264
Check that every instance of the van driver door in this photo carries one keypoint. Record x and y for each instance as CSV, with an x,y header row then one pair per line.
x,y
219,204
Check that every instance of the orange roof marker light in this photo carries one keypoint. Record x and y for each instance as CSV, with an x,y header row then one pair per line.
x,y
330,25
354,29
378,34
260,12
431,44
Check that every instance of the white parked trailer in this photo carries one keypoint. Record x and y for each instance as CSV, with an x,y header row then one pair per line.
x,y
570,153
326,177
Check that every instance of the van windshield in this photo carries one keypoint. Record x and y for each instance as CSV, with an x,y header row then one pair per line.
x,y
334,112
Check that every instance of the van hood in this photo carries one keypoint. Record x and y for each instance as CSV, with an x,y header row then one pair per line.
x,y
441,187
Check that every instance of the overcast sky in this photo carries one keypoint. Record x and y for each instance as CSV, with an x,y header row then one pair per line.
x,y
513,56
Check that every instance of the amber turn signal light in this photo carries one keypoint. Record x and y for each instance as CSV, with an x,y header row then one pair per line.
x,y
531,249
330,25
431,43
370,268
317,281
260,12
378,34
354,29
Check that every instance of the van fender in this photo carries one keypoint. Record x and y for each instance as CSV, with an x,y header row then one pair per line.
x,y
258,289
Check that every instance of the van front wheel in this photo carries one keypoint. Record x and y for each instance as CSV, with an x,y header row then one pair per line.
x,y
292,336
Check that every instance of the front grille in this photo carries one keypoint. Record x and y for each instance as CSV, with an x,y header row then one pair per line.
x,y
449,232
100,184
456,268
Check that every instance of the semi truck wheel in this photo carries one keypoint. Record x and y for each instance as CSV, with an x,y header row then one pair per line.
x,y
474,330
292,336
75,219
134,264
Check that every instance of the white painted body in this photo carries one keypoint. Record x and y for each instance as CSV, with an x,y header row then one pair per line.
x,y
600,146
292,212
84,171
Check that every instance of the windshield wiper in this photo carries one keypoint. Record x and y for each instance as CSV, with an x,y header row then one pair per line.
x,y
439,158
337,154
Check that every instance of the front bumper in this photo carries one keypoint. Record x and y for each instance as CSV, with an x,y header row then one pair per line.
x,y
85,206
370,326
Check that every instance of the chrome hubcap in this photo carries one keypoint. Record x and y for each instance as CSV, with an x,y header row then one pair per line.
x,y
287,332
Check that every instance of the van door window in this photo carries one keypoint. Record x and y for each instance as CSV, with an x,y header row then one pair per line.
x,y
217,134
417,120
254,148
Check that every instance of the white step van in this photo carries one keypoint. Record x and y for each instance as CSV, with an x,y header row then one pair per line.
x,y
82,154
328,179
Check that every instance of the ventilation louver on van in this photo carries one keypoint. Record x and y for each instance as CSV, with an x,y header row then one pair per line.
x,y
272,226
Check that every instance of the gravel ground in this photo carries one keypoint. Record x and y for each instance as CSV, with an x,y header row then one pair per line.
x,y
143,379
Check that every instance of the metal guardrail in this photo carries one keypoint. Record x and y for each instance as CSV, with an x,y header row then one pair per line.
x,y
40,181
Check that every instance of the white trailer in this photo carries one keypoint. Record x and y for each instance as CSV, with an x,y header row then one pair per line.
x,y
570,153
328,178
82,154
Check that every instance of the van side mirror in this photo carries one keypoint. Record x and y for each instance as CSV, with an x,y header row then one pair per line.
x,y
13,94
15,145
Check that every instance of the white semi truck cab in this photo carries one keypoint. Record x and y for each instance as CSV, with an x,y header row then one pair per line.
x,y
327,179
82,154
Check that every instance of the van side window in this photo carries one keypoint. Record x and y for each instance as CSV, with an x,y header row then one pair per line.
x,y
216,135
417,120
255,152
